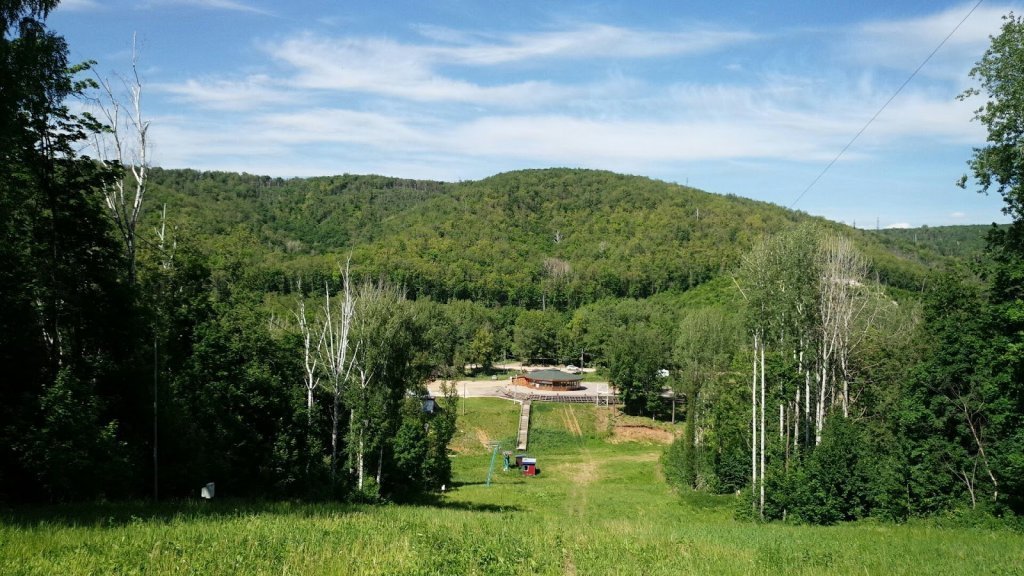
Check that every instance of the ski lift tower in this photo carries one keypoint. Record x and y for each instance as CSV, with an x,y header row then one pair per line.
x,y
495,446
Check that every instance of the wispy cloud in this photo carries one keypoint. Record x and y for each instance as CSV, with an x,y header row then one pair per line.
x,y
903,44
230,5
585,41
413,71
78,5
252,92
388,68
899,226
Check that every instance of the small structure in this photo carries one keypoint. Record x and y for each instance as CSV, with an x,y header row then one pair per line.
x,y
529,466
549,380
429,404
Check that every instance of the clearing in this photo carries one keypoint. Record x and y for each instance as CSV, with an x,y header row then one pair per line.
x,y
599,506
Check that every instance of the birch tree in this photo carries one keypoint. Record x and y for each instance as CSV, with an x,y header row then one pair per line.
x,y
333,353
844,298
383,374
312,344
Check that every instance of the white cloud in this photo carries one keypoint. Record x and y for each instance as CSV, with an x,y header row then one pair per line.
x,y
344,126
253,92
899,226
413,71
958,215
587,41
387,68
904,44
78,5
230,5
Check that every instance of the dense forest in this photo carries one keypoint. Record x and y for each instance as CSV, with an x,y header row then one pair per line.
x,y
163,328
533,239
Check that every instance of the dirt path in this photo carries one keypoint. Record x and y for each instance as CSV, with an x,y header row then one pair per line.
x,y
570,422
482,437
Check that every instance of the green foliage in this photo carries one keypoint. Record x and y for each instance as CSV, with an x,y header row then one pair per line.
x,y
635,356
534,239
226,394
999,164
708,342
993,402
482,348
962,407
536,335
67,322
73,452
965,242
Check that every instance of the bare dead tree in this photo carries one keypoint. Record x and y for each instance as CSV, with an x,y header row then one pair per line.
x,y
311,345
166,252
126,143
842,300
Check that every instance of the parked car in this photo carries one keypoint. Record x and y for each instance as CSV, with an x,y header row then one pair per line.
x,y
573,369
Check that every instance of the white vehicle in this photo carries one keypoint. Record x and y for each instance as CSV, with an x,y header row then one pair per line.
x,y
573,369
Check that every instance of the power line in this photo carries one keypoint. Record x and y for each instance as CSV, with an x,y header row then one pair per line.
x,y
884,106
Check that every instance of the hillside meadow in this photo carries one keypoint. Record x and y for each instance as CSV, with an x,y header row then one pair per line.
x,y
599,506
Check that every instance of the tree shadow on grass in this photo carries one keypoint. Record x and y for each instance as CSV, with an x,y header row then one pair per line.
x,y
439,501
116,514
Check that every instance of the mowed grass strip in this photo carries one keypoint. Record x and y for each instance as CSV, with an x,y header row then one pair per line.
x,y
597,507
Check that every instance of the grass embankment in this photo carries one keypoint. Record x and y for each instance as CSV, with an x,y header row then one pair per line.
x,y
599,506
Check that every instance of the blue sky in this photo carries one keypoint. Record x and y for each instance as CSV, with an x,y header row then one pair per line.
x,y
744,97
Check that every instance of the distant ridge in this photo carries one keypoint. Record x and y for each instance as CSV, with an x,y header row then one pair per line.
x,y
535,238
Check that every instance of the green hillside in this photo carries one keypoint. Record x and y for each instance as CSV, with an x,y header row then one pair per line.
x,y
531,238
960,242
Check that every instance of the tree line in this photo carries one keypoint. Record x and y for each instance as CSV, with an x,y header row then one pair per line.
x,y
829,397
142,363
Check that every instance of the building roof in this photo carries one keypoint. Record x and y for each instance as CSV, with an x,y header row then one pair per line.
x,y
552,376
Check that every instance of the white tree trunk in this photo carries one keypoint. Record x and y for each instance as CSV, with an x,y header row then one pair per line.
x,y
819,415
310,356
753,424
761,508
796,420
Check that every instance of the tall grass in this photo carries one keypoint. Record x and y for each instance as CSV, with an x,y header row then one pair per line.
x,y
596,508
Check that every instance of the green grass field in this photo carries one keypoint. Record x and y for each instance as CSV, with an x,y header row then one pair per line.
x,y
600,506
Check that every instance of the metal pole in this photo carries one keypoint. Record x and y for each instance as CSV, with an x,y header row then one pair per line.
x,y
156,437
673,407
494,455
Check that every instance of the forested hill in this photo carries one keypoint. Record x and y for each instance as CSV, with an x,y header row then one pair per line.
x,y
560,237
964,242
